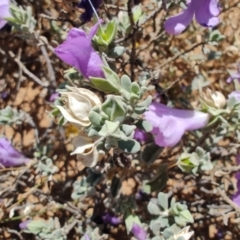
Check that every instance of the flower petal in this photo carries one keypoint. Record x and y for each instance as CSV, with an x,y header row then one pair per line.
x,y
4,12
86,151
79,106
91,96
74,54
138,232
235,94
178,23
9,156
206,13
71,119
171,131
94,29
78,52
234,76
169,124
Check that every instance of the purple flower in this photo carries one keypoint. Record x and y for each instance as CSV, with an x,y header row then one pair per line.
x,y
205,11
236,196
235,94
86,237
9,156
138,232
85,4
111,219
236,75
4,95
54,96
24,225
140,135
170,124
4,12
78,52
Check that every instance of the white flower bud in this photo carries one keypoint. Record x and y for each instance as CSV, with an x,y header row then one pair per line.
x,y
213,99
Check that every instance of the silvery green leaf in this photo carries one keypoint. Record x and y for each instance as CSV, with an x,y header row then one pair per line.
x,y
163,200
111,30
164,221
179,221
126,83
102,43
116,52
134,97
139,109
95,118
175,210
216,36
111,76
207,166
146,102
114,108
147,126
129,220
108,128
129,146
155,226
185,214
135,88
184,162
137,13
168,232
158,238
141,106
126,95
153,208
173,202
128,129
36,226
104,85
93,132
200,152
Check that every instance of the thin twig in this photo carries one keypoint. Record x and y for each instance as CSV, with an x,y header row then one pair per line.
x,y
26,71
51,72
180,54
16,233
228,200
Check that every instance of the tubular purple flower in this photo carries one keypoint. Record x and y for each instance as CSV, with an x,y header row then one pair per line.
x,y
9,156
111,219
205,11
235,94
86,237
4,12
138,232
233,76
170,124
54,96
24,225
140,135
78,52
